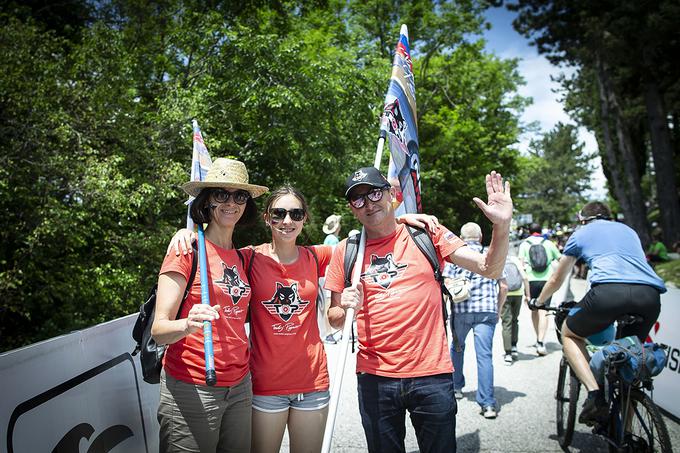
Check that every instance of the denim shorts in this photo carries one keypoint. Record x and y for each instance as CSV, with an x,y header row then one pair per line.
x,y
310,401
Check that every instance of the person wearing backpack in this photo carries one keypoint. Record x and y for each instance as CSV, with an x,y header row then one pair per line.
x,y
518,289
403,362
192,415
621,283
537,254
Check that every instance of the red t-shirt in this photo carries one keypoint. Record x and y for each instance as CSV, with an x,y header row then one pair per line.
x,y
286,352
400,326
229,288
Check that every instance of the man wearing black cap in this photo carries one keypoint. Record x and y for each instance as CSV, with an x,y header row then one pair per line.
x,y
403,361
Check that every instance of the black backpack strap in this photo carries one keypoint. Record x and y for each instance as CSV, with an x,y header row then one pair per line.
x,y
316,260
192,275
426,246
351,252
318,275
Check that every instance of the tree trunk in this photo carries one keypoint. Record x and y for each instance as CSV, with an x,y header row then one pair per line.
x,y
627,184
664,165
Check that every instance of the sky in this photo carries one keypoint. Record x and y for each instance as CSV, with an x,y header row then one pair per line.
x,y
546,110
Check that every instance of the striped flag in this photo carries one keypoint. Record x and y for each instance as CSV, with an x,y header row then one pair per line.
x,y
200,164
398,125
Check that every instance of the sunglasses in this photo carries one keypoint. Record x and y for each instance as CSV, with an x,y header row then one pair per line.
x,y
222,196
279,214
359,200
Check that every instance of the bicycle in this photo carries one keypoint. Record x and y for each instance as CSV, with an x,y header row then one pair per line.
x,y
634,423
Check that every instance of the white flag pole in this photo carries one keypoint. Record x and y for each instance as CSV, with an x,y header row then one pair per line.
x,y
346,329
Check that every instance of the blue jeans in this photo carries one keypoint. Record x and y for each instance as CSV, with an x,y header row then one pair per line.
x,y
483,326
383,403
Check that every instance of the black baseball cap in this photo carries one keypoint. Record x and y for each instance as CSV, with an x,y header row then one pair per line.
x,y
369,176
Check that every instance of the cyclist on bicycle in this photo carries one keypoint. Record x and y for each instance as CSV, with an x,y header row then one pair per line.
x,y
621,282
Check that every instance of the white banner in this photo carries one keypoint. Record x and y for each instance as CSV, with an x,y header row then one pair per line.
x,y
666,331
78,392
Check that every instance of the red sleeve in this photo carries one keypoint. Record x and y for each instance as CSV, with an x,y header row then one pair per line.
x,y
180,264
446,242
335,273
323,254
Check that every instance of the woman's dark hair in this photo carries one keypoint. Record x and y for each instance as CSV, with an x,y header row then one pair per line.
x,y
594,210
286,189
201,213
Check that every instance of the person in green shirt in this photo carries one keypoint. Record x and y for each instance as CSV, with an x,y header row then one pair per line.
x,y
657,252
537,277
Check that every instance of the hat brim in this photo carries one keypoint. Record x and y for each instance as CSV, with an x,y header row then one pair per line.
x,y
329,230
193,188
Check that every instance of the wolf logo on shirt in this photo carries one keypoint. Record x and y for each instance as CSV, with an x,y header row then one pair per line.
x,y
285,302
383,270
232,284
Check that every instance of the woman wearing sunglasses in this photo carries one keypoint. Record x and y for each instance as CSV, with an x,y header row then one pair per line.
x,y
288,361
193,416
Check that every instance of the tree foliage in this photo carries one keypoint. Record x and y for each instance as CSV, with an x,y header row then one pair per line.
x,y
555,175
626,92
96,129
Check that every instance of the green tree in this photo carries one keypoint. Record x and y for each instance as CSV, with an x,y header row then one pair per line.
x,y
556,175
624,48
96,131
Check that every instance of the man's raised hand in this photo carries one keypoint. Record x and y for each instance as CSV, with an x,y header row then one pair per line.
x,y
498,208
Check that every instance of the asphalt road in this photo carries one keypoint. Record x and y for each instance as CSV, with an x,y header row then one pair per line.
x,y
525,394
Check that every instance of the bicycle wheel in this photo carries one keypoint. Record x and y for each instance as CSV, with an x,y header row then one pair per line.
x,y
566,398
644,430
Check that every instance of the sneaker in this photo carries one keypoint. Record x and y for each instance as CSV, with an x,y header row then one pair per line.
x,y
514,352
540,349
489,412
594,410
508,359
458,394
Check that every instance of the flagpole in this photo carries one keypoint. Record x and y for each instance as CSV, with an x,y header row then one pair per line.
x,y
210,376
347,327
402,79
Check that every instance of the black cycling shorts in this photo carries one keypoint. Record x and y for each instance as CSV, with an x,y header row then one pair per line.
x,y
606,302
535,289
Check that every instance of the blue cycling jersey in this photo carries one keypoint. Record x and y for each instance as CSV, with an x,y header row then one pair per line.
x,y
613,253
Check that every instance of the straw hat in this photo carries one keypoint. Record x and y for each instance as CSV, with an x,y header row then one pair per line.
x,y
331,224
225,174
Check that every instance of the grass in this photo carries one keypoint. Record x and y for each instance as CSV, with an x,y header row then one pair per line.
x,y
669,272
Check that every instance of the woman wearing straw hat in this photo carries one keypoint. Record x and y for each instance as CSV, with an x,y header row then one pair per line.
x,y
193,416
332,228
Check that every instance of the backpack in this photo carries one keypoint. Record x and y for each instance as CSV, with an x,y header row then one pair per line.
x,y
151,354
538,257
512,276
629,360
424,243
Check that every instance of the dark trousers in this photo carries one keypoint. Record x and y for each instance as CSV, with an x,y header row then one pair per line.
x,y
383,403
509,315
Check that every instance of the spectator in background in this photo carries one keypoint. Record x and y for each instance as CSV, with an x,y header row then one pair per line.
x,y
537,255
518,286
657,252
478,313
331,228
